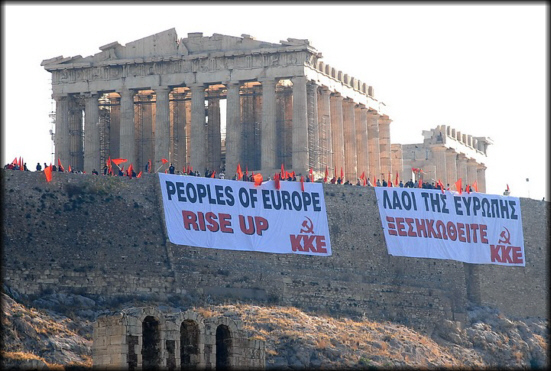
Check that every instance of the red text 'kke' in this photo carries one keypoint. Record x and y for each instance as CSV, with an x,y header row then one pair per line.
x,y
309,243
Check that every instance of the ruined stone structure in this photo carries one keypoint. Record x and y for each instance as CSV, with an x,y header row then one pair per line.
x,y
148,338
448,155
162,97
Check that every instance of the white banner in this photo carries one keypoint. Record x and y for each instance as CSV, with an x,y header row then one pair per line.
x,y
472,228
236,215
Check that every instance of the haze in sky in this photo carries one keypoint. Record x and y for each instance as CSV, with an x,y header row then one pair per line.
x,y
481,69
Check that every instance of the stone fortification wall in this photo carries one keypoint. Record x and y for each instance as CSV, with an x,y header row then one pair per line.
x,y
105,236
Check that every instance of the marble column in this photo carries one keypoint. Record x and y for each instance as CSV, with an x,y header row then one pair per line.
x,y
162,128
462,169
268,130
439,160
233,128
384,145
373,145
198,141
362,156
300,158
145,121
349,133
179,134
114,127
472,167
325,130
481,178
127,136
337,135
451,168
91,134
76,150
214,137
397,162
313,126
61,139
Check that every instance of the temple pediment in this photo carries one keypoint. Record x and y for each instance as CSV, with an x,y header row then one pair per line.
x,y
166,44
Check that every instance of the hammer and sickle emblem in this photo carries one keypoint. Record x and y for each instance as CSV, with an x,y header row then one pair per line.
x,y
308,227
506,237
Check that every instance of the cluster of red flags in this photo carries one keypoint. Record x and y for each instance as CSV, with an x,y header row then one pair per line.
x,y
19,162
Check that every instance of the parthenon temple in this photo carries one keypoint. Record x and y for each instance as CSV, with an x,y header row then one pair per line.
x,y
213,102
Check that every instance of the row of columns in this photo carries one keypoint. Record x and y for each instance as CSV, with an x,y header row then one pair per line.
x,y
351,136
452,166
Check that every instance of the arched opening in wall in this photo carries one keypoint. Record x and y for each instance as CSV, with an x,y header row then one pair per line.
x,y
151,343
223,347
189,345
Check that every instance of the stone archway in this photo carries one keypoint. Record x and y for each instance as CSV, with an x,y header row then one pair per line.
x,y
189,344
223,347
151,343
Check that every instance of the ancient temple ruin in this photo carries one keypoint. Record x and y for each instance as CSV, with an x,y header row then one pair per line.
x,y
163,97
446,154
213,102
148,338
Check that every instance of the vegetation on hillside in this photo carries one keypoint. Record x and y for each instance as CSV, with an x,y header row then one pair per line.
x,y
40,338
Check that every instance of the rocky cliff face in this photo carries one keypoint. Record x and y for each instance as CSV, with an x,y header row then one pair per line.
x,y
43,338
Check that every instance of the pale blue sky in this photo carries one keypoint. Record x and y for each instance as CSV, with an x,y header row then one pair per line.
x,y
479,68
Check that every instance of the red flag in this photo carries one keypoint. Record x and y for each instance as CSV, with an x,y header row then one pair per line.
x,y
257,179
14,162
302,182
129,172
396,179
311,175
475,186
277,182
326,174
139,175
458,186
122,169
164,160
109,166
342,174
293,174
374,181
118,161
19,163
48,173
239,172
70,169
283,171
214,172
441,185
389,180
420,183
362,177
149,166
507,187
59,165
